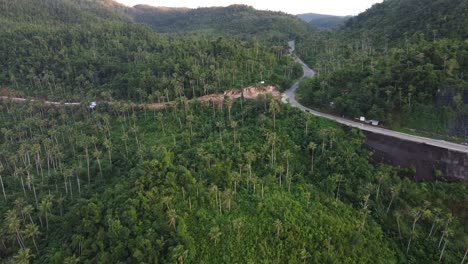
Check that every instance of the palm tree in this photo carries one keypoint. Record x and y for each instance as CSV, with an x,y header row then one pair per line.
x,y
44,208
394,190
180,253
279,173
238,224
447,233
228,197
228,101
323,135
171,214
274,109
125,140
24,256
304,255
397,217
32,231
220,126
85,144
233,125
416,213
166,200
1,182
235,178
71,260
97,155
13,225
215,234
250,157
161,121
339,179
108,145
312,146
278,227
190,121
382,177
287,155
466,251
365,211
271,138
27,210
214,189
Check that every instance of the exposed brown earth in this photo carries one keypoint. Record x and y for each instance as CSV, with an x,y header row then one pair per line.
x,y
217,99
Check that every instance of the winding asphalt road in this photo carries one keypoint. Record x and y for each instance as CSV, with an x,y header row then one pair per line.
x,y
289,96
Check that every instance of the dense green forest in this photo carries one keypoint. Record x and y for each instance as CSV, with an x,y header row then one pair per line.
x,y
237,20
252,181
65,55
405,70
324,22
244,181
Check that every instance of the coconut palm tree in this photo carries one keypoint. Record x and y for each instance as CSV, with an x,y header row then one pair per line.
x,y
13,226
71,260
24,256
97,155
1,182
394,191
250,157
32,231
214,234
190,121
108,145
312,146
44,208
171,214
287,155
278,226
274,109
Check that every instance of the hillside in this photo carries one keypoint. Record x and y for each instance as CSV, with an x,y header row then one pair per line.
x,y
73,49
61,11
249,181
238,20
157,172
401,62
324,22
396,19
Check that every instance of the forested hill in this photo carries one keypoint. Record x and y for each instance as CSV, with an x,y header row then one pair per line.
x,y
239,20
324,22
399,19
61,11
401,62
75,49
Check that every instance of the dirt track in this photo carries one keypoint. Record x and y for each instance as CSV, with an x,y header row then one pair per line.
x,y
248,92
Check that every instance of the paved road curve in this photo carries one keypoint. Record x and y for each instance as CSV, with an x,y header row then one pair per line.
x,y
290,96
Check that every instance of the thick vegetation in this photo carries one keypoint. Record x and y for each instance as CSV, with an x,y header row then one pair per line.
x,y
248,182
237,182
414,79
324,22
113,58
237,20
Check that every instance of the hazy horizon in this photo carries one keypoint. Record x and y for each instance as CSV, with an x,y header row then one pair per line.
x,y
330,7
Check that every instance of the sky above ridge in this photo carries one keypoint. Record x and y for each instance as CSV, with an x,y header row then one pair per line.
x,y
328,7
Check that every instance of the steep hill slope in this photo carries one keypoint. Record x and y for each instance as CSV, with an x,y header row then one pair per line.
x,y
401,62
396,20
70,49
